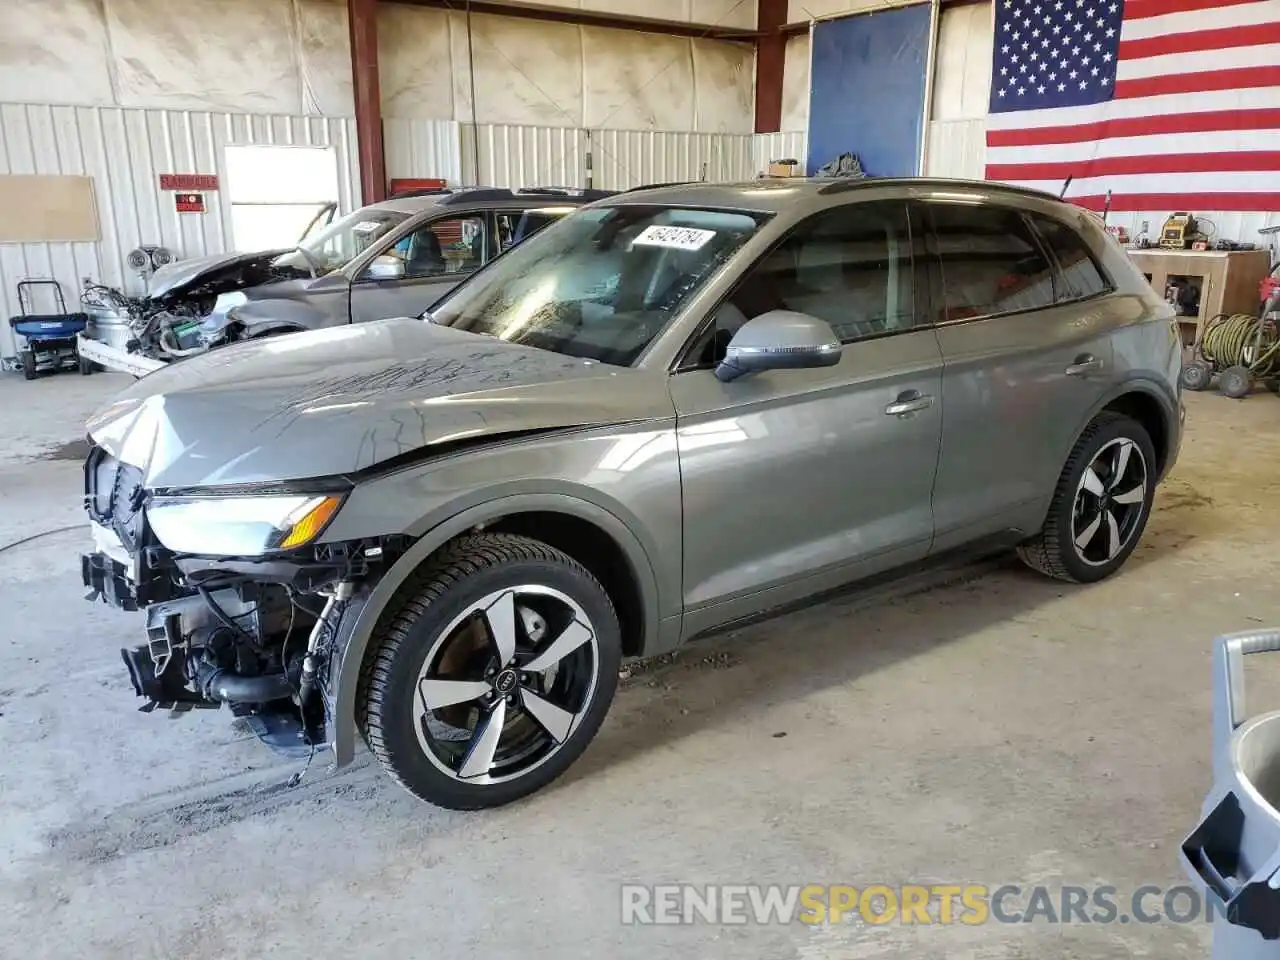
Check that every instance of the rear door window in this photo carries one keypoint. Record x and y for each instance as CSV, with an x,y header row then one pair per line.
x,y
991,262
1081,276
516,226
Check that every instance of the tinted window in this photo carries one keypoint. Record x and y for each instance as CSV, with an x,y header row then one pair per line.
x,y
991,262
600,283
521,225
443,247
1080,274
850,266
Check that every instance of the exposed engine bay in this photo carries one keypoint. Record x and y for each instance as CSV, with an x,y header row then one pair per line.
x,y
188,314
258,636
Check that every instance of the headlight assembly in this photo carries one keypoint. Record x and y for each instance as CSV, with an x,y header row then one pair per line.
x,y
240,526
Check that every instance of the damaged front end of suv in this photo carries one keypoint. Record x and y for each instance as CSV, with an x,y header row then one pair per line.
x,y
242,608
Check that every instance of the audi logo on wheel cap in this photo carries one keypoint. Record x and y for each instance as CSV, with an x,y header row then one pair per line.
x,y
505,682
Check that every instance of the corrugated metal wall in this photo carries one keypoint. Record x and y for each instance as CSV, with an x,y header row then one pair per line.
x,y
510,155
629,158
125,151
423,148
777,146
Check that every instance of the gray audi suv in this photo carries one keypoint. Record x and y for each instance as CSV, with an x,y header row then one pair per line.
x,y
675,410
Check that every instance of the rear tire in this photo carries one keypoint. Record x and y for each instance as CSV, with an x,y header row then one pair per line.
x,y
469,651
1100,505
29,365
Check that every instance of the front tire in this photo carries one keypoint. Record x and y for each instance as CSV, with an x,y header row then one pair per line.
x,y
1100,505
492,675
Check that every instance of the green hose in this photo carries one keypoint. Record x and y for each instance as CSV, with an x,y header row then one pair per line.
x,y
1242,340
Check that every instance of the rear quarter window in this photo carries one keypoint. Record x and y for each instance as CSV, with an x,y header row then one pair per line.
x,y
1081,277
991,261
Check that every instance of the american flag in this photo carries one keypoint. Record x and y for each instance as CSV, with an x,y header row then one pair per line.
x,y
1169,104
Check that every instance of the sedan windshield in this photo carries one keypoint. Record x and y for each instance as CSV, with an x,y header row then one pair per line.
x,y
600,284
343,240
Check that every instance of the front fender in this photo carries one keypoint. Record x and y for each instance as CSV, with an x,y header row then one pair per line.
x,y
260,317
356,629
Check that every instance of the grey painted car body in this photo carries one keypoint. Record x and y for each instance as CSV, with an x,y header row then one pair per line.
x,y
348,295
727,499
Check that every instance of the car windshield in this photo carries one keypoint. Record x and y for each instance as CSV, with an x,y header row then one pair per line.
x,y
343,240
601,283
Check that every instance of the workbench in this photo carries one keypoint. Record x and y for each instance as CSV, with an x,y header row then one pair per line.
x,y
1228,280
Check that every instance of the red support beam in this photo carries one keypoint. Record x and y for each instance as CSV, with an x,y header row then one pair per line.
x,y
771,55
363,18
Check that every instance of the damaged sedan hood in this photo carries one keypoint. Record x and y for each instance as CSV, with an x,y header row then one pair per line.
x,y
342,400
181,274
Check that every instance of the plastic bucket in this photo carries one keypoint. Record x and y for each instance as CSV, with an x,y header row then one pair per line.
x,y
1235,850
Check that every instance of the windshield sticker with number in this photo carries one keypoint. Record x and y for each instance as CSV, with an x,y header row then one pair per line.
x,y
680,238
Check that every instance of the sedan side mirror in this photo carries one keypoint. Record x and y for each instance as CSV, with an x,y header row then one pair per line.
x,y
779,340
385,267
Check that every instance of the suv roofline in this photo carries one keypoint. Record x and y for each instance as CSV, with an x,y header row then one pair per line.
x,y
845,184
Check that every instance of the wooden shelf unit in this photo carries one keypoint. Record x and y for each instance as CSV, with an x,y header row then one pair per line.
x,y
1229,280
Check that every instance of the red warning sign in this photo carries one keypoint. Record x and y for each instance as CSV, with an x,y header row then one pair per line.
x,y
189,202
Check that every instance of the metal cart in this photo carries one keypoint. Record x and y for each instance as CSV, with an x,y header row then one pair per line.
x,y
49,339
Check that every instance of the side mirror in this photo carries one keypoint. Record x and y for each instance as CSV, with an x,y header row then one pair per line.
x,y
779,340
384,267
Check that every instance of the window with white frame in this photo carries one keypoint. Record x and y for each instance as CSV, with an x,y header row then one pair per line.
x,y
276,192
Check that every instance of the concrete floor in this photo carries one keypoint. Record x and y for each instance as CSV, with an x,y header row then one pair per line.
x,y
998,728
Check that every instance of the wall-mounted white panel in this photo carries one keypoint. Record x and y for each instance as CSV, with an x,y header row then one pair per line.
x,y
723,13
54,51
497,155
724,87
125,151
424,148
241,55
956,148
630,158
962,77
527,72
324,42
637,86
767,147
795,84
415,71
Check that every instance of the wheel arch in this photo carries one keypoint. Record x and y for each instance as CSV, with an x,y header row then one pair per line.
x,y
626,567
1151,405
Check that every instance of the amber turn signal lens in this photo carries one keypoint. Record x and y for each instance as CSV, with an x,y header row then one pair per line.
x,y
309,524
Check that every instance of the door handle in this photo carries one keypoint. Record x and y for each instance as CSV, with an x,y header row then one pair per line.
x,y
1084,366
903,406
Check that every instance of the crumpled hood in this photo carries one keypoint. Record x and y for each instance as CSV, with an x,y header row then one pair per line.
x,y
336,401
172,277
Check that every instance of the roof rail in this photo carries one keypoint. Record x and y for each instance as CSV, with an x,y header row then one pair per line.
x,y
485,194
844,184
658,186
419,192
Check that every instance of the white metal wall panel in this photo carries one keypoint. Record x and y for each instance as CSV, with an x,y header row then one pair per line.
x,y
629,158
507,155
423,148
125,151
766,147
956,148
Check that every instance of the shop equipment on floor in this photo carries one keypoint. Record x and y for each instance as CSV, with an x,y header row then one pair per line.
x,y
49,339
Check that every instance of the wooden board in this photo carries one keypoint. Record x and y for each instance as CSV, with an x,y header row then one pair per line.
x,y
36,208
